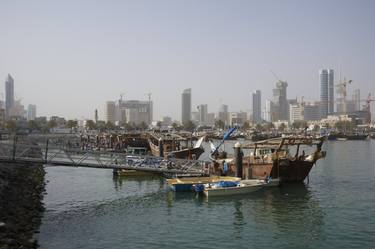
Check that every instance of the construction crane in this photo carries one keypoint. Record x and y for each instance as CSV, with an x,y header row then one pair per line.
x,y
341,90
276,77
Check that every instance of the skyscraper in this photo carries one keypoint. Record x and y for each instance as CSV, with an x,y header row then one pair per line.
x,y
202,114
110,113
280,110
323,77
327,92
357,99
257,107
223,114
331,92
9,95
186,106
31,112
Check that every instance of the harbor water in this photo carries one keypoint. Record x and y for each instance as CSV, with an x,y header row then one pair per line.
x,y
89,208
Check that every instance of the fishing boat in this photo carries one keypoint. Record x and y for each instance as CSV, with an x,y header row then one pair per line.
x,y
170,146
233,188
186,183
347,136
274,158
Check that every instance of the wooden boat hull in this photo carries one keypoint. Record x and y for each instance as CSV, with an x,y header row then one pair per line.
x,y
188,153
287,171
230,191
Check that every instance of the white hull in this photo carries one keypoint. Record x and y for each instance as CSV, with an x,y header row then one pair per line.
x,y
242,189
271,183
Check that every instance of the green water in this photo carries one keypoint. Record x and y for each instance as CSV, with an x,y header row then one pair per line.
x,y
88,208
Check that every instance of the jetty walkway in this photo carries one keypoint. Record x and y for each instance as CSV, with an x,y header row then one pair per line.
x,y
60,152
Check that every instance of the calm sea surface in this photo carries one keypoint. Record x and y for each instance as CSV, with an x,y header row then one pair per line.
x,y
88,208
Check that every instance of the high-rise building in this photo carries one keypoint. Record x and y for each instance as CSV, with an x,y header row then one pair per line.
x,y
280,103
9,95
223,114
202,114
323,78
268,111
257,107
331,92
304,112
357,100
135,111
31,112
110,113
327,96
186,106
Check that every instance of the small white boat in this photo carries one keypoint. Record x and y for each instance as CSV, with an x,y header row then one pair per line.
x,y
243,187
268,182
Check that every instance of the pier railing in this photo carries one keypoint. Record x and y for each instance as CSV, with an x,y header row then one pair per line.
x,y
20,150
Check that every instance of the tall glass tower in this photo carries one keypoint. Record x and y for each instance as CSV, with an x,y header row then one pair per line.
x,y
257,108
186,106
327,92
331,92
323,77
9,95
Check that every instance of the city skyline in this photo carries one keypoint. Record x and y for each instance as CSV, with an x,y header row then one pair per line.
x,y
90,53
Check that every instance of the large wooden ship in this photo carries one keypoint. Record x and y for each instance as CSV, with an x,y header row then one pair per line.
x,y
283,158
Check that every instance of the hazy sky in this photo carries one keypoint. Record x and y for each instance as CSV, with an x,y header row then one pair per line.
x,y
69,57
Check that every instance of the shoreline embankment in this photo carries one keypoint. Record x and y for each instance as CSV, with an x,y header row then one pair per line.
x,y
21,193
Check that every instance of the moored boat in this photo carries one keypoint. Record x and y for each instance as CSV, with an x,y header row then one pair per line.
x,y
186,183
273,158
243,187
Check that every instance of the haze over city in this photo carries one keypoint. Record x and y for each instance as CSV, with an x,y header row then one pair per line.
x,y
69,58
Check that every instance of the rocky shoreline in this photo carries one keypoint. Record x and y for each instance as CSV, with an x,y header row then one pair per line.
x,y
21,207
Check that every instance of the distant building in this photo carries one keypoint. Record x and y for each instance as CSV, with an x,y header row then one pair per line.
x,y
323,78
60,121
31,112
331,92
357,99
327,102
210,119
135,111
9,95
166,121
268,111
17,110
195,117
280,107
186,106
257,107
237,118
202,114
96,116
304,112
110,111
223,114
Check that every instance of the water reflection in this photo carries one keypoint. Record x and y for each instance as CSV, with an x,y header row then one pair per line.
x,y
120,181
238,222
290,210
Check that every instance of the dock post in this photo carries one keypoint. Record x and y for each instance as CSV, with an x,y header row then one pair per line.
x,y
238,156
161,148
46,152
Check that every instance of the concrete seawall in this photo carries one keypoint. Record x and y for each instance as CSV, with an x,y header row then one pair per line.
x,y
21,194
